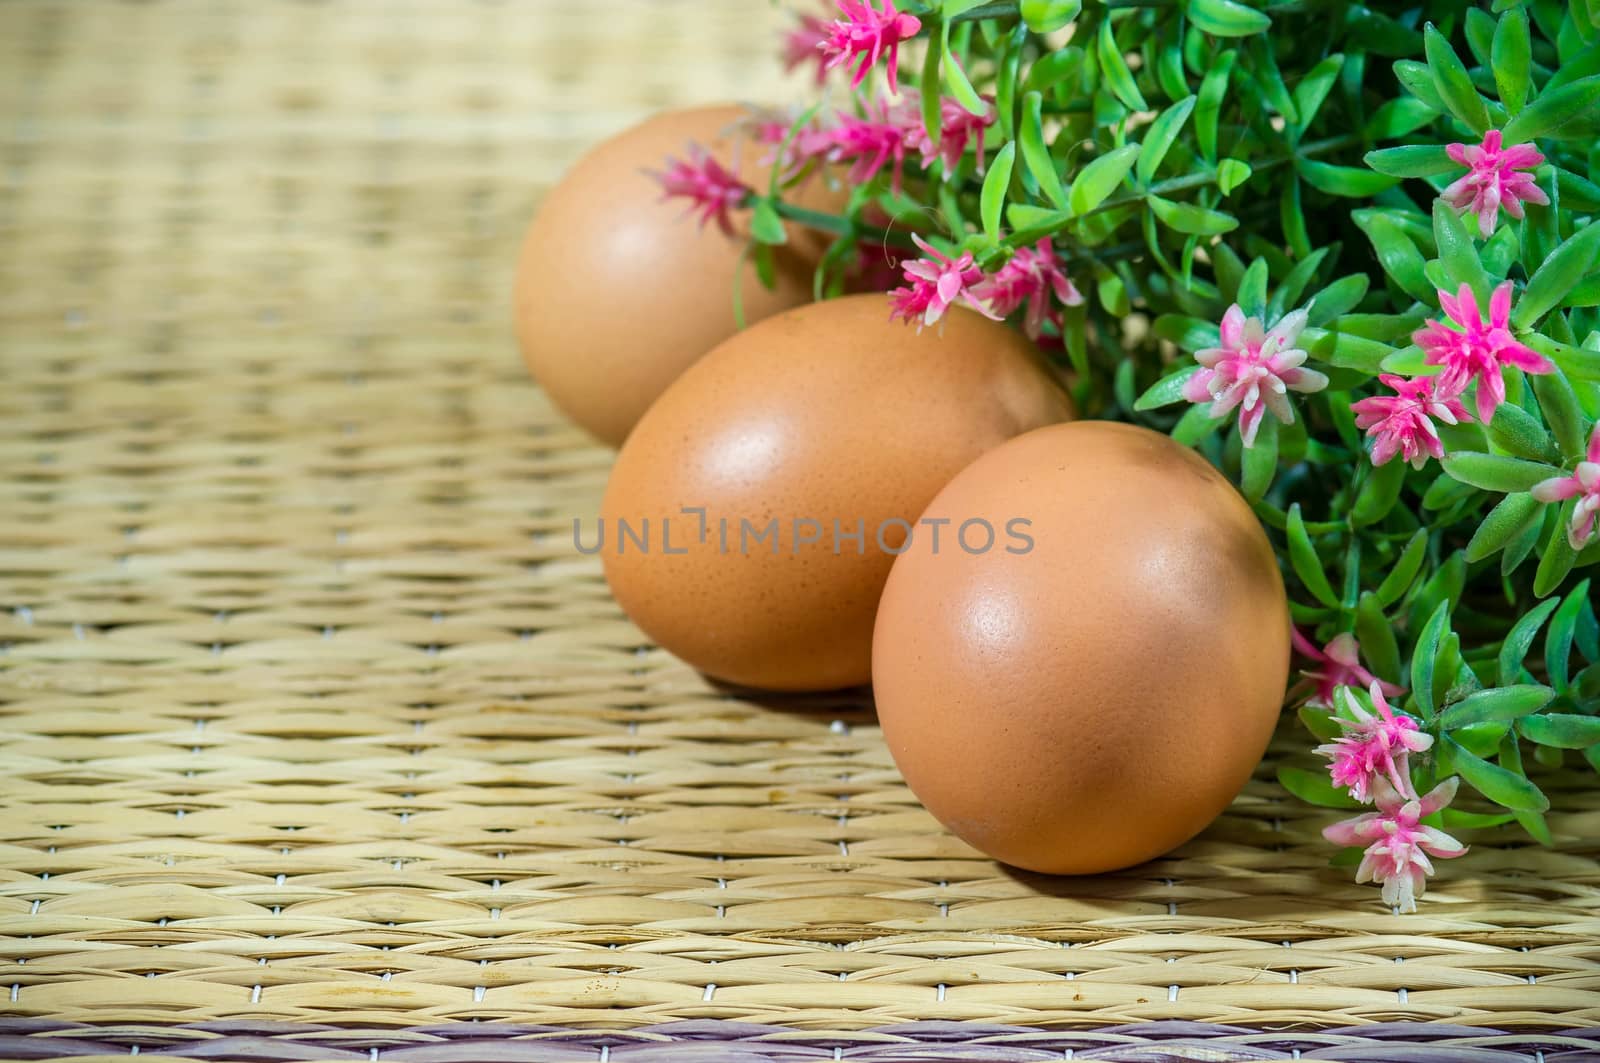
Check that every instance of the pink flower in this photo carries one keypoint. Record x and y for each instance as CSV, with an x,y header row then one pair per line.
x,y
1398,844
868,32
959,129
1402,423
1339,666
1253,370
799,145
803,43
1492,180
936,283
1374,747
1583,484
1478,352
1030,277
711,189
872,142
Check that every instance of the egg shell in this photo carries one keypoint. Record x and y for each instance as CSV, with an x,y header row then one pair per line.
x,y
618,291
830,412
1095,700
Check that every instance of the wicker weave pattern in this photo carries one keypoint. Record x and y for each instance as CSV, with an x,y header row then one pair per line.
x,y
737,1042
310,710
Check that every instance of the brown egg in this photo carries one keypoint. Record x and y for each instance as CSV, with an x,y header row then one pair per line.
x,y
618,291
1096,686
820,422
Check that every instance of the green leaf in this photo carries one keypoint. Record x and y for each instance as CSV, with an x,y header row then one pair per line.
x,y
1314,788
1504,522
1167,390
1453,83
1189,333
1455,819
1338,299
1376,635
995,184
1405,569
1556,557
1227,18
1252,296
1052,68
1047,16
951,9
1027,216
1231,173
1411,160
1398,256
1313,89
1561,730
1195,425
1558,642
1559,403
1578,256
1497,703
1351,181
1457,253
1417,79
1378,496
1480,35
1523,632
1399,117
1213,87
1517,431
1411,361
1510,58
1160,136
1349,351
1423,657
955,78
1114,69
932,120
1036,155
1260,461
1492,472
765,224
1188,218
1303,557
1100,178
1570,112
1503,787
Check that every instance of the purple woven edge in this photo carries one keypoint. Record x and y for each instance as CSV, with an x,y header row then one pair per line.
x,y
713,1041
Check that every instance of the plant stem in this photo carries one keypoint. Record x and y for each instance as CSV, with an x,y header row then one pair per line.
x,y
840,225
1024,237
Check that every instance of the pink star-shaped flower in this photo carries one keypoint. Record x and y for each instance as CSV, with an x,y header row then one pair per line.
x,y
936,283
1397,843
1253,370
1492,180
1475,350
711,188
873,141
1374,747
959,129
803,42
869,32
1402,423
1031,277
1584,485
1338,664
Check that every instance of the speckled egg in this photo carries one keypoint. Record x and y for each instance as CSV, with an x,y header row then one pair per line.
x,y
617,291
787,468
1095,688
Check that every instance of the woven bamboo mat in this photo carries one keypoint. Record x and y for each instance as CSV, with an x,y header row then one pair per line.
x,y
310,711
